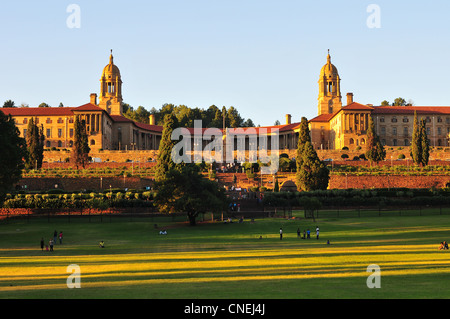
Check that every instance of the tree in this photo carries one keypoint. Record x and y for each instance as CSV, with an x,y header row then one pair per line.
x,y
165,161
81,149
425,144
35,145
248,123
375,150
13,151
234,118
399,102
276,188
312,174
184,189
420,145
9,103
385,103
303,137
416,144
310,204
43,104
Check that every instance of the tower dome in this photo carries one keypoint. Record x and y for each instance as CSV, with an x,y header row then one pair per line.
x,y
111,69
329,70
329,88
111,88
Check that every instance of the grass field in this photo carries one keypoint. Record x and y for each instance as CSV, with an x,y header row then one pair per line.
x,y
222,261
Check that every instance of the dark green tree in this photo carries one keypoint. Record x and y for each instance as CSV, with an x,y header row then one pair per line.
x,y
165,161
416,143
9,103
13,152
81,149
35,145
276,188
310,205
184,189
303,137
312,173
425,144
375,150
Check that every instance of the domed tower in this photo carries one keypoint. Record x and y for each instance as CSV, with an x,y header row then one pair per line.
x,y
111,89
329,88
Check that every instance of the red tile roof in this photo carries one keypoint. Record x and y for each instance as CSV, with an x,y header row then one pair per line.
x,y
88,107
121,119
445,110
148,127
357,106
38,111
323,117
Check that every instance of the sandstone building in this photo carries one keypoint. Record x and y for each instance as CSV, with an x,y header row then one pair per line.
x,y
336,125
106,126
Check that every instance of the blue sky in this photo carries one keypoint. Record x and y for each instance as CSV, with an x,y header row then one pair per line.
x,y
262,57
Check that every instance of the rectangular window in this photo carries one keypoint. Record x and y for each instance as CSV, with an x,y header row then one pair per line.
x,y
60,132
25,132
49,133
394,131
71,132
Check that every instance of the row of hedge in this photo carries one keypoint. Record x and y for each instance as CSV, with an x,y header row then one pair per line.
x,y
80,200
360,198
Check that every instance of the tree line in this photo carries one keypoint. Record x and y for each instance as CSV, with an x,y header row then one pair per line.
x,y
213,116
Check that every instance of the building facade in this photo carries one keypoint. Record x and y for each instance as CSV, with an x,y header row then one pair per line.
x,y
106,126
338,126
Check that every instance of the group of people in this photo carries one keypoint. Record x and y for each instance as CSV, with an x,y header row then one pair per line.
x,y
52,241
306,233
443,245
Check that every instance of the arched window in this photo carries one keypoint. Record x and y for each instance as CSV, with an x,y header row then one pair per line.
x,y
47,144
352,141
59,144
363,141
92,142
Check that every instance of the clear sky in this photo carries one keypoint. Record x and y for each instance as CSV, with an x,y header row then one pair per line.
x,y
262,57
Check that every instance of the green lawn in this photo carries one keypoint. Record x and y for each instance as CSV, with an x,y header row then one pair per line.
x,y
218,261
